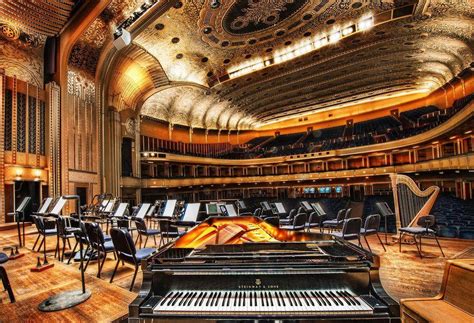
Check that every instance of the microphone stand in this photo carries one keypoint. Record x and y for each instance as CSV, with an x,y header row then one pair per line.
x,y
72,298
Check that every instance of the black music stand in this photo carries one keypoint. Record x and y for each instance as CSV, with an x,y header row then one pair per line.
x,y
72,298
20,211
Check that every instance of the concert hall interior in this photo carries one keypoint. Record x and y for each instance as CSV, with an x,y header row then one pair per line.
x,y
237,160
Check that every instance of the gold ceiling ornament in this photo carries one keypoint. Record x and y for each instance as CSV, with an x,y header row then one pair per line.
x,y
264,11
16,35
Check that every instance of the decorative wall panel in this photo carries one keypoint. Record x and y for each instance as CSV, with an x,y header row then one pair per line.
x,y
8,120
42,118
21,123
31,125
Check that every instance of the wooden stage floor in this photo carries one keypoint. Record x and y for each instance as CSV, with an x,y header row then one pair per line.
x,y
403,275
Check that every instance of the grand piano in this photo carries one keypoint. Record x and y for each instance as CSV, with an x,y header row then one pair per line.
x,y
242,268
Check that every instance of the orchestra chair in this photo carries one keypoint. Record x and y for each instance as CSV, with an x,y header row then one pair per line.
x,y
79,235
273,220
257,212
43,232
371,227
301,209
246,214
64,234
3,275
424,228
168,230
314,221
334,223
99,244
350,230
299,223
144,231
289,219
126,251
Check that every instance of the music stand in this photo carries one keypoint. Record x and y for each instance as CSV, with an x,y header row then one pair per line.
x,y
21,210
72,298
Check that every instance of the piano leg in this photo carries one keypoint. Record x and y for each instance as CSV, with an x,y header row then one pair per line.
x,y
134,276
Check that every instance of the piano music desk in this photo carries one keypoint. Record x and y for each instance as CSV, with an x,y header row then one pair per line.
x,y
455,301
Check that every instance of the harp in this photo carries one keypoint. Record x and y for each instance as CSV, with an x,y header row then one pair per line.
x,y
410,201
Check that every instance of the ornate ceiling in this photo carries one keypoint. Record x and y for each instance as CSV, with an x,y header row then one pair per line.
x,y
417,53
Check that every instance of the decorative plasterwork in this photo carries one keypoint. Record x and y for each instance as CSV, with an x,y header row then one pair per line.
x,y
81,85
15,34
39,18
195,107
25,63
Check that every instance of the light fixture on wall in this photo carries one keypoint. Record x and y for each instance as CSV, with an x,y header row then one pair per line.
x,y
18,174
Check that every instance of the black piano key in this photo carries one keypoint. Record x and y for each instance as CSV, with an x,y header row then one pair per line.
x,y
324,299
303,296
329,297
352,297
190,299
318,300
223,299
173,303
308,298
277,299
289,298
261,299
297,299
165,298
270,298
282,298
202,298
243,298
335,298
183,299
255,298
228,299
209,299
218,296
235,299
345,298
198,298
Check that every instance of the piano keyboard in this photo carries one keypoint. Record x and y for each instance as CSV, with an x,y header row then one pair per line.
x,y
303,302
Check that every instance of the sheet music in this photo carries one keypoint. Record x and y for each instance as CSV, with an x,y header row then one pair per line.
x,y
211,208
23,204
151,210
230,210
169,208
120,212
143,210
191,213
109,207
265,206
58,207
46,205
280,208
306,205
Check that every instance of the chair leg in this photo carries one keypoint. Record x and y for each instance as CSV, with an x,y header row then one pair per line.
x,y
89,259
64,248
68,243
34,246
380,240
72,253
146,240
154,238
56,251
441,249
368,245
418,247
41,244
102,264
98,263
115,270
6,284
400,243
134,276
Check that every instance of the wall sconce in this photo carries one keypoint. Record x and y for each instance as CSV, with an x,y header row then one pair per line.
x,y
18,174
37,174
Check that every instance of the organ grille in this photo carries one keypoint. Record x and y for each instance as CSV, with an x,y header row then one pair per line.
x,y
411,203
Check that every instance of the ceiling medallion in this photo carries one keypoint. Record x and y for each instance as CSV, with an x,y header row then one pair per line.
x,y
15,34
239,21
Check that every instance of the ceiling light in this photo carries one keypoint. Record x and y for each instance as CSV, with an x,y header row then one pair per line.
x,y
468,132
348,30
334,37
321,42
366,23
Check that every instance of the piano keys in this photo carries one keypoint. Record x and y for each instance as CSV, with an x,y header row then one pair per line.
x,y
261,272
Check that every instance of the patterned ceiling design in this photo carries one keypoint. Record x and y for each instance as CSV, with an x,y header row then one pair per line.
x,y
36,18
414,54
194,107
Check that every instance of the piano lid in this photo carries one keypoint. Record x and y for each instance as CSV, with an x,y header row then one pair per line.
x,y
240,230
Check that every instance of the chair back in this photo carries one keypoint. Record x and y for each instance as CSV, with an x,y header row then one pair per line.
x,y
352,226
257,212
273,220
314,217
427,221
123,243
141,225
95,235
301,209
348,214
292,214
166,227
38,223
61,224
340,215
372,223
300,221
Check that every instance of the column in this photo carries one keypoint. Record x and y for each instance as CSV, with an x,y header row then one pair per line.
x,y
2,146
112,151
56,181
